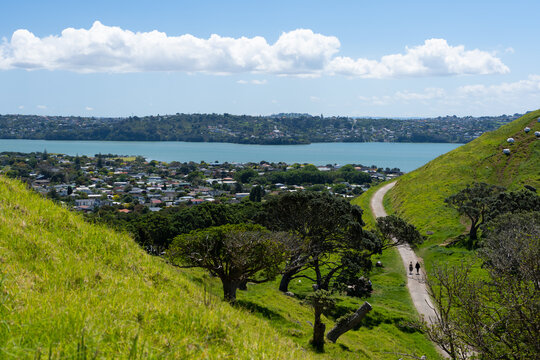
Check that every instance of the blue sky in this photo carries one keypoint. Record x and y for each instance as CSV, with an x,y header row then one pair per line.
x,y
355,58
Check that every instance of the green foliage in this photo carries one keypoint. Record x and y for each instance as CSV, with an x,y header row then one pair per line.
x,y
256,194
394,227
474,201
245,175
155,231
311,175
329,236
234,253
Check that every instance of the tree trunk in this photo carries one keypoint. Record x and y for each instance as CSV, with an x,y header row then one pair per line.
x,y
286,279
229,290
318,333
350,323
473,233
242,285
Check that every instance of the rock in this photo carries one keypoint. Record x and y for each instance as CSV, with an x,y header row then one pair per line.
x,y
510,140
506,151
527,129
429,232
288,293
379,264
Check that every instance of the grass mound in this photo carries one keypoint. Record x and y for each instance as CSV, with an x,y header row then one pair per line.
x,y
419,195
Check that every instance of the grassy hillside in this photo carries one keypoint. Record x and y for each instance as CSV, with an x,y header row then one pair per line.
x,y
74,289
79,290
419,195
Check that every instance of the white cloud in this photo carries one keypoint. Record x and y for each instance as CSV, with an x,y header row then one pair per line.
x,y
428,94
112,49
507,97
529,86
299,52
21,107
42,107
88,108
254,82
434,58
376,100
509,50
314,99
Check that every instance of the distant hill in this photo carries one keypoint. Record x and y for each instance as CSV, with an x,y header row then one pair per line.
x,y
419,195
280,129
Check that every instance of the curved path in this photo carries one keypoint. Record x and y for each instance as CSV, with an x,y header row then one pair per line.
x,y
415,283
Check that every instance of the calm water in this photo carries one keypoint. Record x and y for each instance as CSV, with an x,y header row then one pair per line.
x,y
406,156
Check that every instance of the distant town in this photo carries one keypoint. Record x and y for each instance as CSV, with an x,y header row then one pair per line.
x,y
134,184
244,129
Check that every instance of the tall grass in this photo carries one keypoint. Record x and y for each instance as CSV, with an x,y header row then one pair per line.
x,y
69,289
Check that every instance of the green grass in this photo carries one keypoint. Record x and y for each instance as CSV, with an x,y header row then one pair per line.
x,y
79,290
65,280
419,195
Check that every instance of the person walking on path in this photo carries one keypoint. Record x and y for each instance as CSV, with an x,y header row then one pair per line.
x,y
417,266
410,268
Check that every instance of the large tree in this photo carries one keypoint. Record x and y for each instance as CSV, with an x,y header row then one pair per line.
x,y
495,316
397,231
330,238
234,253
474,202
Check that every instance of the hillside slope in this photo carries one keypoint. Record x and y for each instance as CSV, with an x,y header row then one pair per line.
x,y
79,290
419,195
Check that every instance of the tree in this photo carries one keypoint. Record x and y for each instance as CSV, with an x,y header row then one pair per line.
x,y
99,163
234,253
397,231
496,315
513,201
321,301
256,193
245,175
329,235
474,202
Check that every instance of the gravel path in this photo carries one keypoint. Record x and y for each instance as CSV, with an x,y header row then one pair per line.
x,y
415,283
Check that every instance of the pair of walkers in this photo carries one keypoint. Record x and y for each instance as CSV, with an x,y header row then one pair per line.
x,y
417,266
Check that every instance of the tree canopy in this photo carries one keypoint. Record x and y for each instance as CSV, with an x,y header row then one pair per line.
x,y
474,202
235,253
329,237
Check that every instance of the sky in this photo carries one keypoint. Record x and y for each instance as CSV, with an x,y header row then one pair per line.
x,y
336,58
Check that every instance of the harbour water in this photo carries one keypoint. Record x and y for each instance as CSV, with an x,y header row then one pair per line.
x,y
406,156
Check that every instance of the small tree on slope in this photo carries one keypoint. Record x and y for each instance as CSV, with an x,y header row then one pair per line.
x,y
234,253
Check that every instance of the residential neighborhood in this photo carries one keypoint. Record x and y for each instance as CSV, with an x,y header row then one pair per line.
x,y
135,184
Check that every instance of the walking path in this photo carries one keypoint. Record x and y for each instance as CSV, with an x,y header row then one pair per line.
x,y
415,283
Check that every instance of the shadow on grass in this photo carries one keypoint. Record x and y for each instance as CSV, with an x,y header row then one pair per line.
x,y
259,309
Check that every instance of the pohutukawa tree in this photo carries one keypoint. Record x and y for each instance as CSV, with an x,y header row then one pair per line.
x,y
474,202
397,231
235,253
329,238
